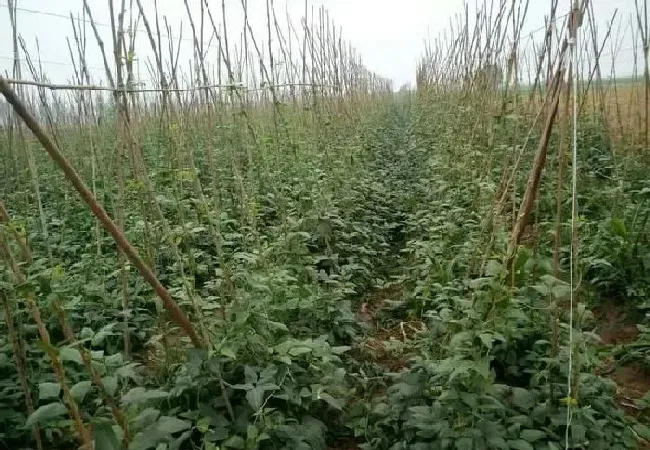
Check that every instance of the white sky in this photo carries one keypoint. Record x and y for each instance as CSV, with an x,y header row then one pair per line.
x,y
389,34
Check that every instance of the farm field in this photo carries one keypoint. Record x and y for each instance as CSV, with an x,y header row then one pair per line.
x,y
279,250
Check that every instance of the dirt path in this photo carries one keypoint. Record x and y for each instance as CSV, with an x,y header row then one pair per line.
x,y
615,328
382,342
384,347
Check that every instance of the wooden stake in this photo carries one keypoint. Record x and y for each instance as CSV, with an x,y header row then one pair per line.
x,y
122,242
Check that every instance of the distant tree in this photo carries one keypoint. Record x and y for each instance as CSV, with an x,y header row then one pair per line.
x,y
405,88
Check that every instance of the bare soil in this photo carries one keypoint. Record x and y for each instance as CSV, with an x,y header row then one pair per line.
x,y
616,328
614,325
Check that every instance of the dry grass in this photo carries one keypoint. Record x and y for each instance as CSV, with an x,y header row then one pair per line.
x,y
623,104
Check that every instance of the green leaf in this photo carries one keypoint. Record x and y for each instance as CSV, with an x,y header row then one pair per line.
x,y
521,419
110,384
250,374
229,352
86,333
105,437
146,418
241,317
268,386
252,432
102,334
487,340
219,433
140,395
542,288
519,444
296,351
128,371
341,349
203,425
45,413
70,354
523,256
561,290
469,399
268,375
276,326
465,444
642,430
114,360
532,435
160,431
493,268
172,424
284,359
522,398
497,442
48,390
255,397
578,432
235,442
619,228
80,390
176,443
334,403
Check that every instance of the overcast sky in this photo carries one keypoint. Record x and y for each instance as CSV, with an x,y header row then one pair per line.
x,y
389,34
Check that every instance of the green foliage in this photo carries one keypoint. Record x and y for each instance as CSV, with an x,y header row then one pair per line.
x,y
272,260
277,302
489,371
